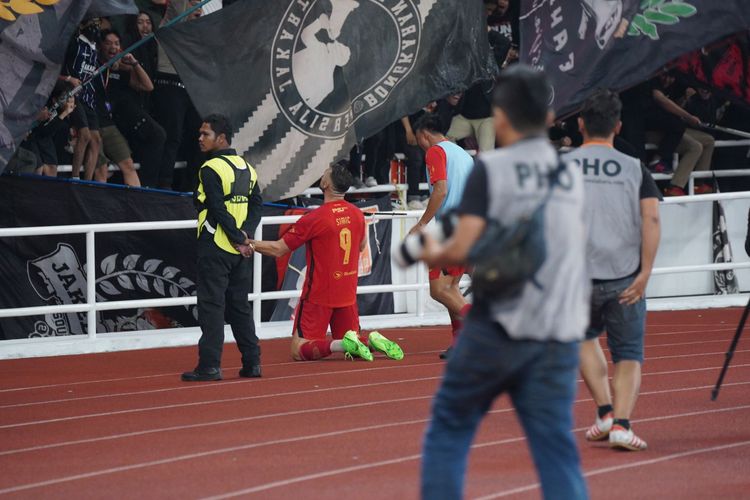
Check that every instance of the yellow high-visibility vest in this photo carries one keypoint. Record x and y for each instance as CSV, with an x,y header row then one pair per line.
x,y
238,179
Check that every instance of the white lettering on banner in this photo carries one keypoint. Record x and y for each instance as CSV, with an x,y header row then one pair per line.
x,y
309,48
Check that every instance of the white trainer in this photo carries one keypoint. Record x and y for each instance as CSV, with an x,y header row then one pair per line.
x,y
600,430
624,439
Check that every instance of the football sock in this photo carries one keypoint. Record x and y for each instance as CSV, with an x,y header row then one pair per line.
x,y
622,422
315,349
603,410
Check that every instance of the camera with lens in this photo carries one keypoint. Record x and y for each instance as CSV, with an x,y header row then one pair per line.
x,y
412,248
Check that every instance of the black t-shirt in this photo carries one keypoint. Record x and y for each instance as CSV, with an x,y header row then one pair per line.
x,y
475,200
124,101
103,106
648,186
475,104
119,91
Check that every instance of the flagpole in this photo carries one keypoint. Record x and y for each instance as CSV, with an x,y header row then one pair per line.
x,y
75,91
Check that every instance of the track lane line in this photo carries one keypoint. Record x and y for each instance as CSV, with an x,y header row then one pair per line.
x,y
426,330
211,401
221,384
281,394
176,374
213,423
288,377
617,468
232,449
320,475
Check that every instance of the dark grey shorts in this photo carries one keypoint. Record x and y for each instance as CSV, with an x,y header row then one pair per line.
x,y
625,325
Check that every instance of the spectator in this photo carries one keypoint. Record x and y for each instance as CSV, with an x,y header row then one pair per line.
x,y
703,104
137,28
125,82
379,150
415,164
694,147
114,144
154,8
565,133
664,124
635,104
40,142
80,64
175,112
503,22
475,117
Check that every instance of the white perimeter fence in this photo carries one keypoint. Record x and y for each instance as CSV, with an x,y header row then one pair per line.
x,y
683,279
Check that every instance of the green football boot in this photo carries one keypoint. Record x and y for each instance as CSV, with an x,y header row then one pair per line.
x,y
354,347
387,347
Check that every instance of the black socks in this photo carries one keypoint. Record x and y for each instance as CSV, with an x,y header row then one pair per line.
x,y
622,422
603,410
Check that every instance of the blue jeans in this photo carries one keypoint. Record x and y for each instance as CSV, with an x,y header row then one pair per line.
x,y
625,324
540,378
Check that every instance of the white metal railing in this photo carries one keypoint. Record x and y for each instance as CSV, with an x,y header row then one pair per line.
x,y
423,186
92,306
420,286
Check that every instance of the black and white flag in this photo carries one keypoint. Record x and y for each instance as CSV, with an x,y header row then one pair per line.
x,y
303,80
34,36
585,44
725,282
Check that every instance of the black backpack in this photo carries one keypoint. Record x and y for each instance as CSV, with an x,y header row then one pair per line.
x,y
505,258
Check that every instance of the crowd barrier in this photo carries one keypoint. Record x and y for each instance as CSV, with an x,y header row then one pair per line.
x,y
412,281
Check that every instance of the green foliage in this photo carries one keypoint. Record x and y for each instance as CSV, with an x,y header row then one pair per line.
x,y
655,12
678,9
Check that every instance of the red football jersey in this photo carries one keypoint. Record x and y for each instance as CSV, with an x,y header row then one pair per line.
x,y
437,164
332,234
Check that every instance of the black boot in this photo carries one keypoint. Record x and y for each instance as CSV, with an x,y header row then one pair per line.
x,y
202,375
252,371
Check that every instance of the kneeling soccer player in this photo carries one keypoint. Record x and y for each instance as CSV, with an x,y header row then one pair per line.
x,y
334,235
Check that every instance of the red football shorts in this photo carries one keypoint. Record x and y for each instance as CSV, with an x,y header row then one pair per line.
x,y
447,271
311,320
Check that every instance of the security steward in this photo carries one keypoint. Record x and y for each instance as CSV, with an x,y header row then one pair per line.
x,y
229,209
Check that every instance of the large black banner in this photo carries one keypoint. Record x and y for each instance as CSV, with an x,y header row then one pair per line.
x,y
303,80
33,40
374,267
45,270
585,44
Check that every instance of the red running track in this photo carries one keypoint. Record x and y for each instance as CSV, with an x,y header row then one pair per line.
x,y
122,425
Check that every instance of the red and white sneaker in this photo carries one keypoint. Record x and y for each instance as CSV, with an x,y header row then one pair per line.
x,y
600,430
624,439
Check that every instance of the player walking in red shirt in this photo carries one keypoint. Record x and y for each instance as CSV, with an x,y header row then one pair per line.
x,y
448,167
334,235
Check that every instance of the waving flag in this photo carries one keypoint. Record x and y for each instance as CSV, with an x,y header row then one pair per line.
x,y
33,38
585,44
725,282
303,80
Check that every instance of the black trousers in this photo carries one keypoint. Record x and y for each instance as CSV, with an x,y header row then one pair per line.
x,y
224,281
379,150
175,112
146,138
